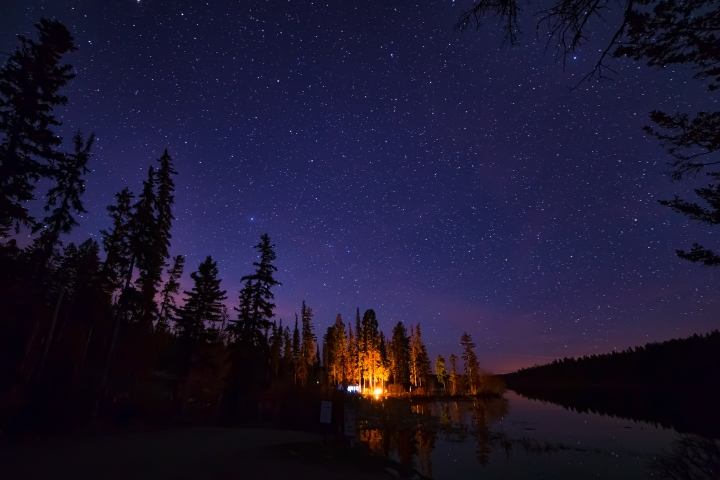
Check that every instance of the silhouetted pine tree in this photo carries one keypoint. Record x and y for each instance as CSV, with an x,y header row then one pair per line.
x,y
86,305
167,295
29,86
470,363
298,369
164,201
79,300
287,352
116,242
116,275
63,198
202,309
276,348
308,345
148,250
256,307
399,355
423,361
203,303
709,215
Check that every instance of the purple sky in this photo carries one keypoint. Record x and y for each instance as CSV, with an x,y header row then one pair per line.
x,y
398,165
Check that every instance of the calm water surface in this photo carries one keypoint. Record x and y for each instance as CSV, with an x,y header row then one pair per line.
x,y
513,437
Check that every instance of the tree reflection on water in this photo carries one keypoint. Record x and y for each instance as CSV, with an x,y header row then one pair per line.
x,y
408,429
481,433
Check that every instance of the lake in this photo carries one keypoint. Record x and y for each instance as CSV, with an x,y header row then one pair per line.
x,y
515,437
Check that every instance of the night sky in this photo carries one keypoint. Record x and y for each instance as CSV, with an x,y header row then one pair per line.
x,y
397,164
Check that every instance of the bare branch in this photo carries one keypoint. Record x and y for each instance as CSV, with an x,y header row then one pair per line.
x,y
505,10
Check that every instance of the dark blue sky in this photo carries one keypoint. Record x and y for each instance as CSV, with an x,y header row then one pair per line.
x,y
397,165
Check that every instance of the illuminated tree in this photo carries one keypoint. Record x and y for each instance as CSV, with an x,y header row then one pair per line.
x,y
383,372
359,343
352,356
413,358
419,361
369,348
440,371
336,358
453,375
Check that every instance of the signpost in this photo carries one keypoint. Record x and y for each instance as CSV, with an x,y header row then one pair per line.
x,y
350,422
326,412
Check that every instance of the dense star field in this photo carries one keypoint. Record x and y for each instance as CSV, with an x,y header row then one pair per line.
x,y
429,174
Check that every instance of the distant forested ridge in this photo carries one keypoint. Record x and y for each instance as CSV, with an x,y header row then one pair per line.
x,y
675,384
686,362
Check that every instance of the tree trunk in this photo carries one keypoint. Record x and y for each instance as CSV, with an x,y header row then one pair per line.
x,y
80,366
53,322
28,347
113,342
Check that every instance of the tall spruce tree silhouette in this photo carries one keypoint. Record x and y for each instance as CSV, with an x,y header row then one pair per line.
x,y
203,305
147,247
63,198
256,299
30,83
116,242
470,363
399,355
164,201
250,356
167,295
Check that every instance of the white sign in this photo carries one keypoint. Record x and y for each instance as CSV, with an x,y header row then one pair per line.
x,y
326,411
350,421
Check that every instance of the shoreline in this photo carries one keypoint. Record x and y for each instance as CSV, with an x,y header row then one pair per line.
x,y
196,452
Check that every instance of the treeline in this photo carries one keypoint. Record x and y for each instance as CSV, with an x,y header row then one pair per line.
x,y
365,357
679,363
101,330
89,329
675,384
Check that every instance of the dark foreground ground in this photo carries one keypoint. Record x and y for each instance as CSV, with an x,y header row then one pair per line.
x,y
193,453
